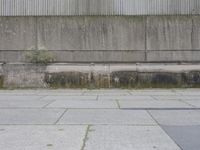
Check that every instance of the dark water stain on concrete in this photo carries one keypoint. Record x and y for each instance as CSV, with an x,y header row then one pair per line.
x,y
67,80
191,78
1,82
124,79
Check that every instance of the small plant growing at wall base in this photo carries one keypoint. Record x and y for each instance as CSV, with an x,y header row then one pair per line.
x,y
40,56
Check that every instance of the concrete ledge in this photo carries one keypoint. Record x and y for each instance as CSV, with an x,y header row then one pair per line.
x,y
79,56
173,56
66,75
107,68
109,56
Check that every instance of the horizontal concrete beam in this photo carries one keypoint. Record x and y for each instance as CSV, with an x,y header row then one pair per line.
x,y
108,68
173,56
86,56
108,56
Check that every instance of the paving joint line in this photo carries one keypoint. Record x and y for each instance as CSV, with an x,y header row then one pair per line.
x,y
111,124
77,124
174,91
41,96
1,125
97,97
37,108
45,106
63,108
163,129
85,139
83,93
60,116
91,108
129,92
49,108
188,103
79,108
160,108
118,105
154,98
180,93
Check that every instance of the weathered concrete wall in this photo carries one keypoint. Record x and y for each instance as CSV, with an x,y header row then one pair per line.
x,y
103,38
196,33
169,33
17,33
91,33
23,75
99,76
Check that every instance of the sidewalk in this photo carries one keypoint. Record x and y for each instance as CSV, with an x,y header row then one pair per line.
x,y
100,119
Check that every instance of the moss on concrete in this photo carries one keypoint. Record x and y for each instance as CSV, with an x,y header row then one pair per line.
x,y
67,80
138,80
1,82
124,79
118,79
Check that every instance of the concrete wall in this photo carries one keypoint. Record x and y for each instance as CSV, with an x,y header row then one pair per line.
x,y
169,33
91,33
102,38
17,33
18,75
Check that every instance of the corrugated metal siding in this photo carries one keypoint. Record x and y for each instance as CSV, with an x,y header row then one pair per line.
x,y
97,7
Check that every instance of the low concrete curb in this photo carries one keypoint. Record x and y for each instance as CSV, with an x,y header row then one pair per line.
x,y
63,75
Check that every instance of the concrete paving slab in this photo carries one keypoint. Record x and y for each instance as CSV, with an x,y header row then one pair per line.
x,y
30,116
182,97
83,104
190,93
24,103
41,137
185,89
43,92
190,98
59,92
106,116
20,97
65,97
129,138
107,92
167,97
195,103
152,90
153,104
17,92
176,117
127,97
187,137
154,93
